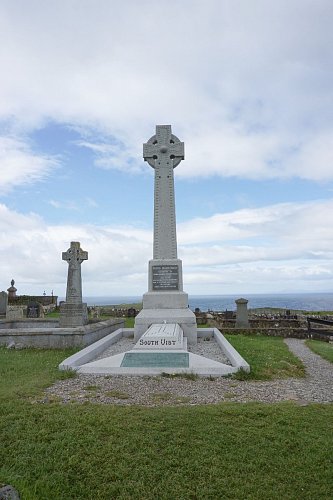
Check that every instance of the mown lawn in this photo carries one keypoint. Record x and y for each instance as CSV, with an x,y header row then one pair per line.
x,y
324,349
268,357
237,451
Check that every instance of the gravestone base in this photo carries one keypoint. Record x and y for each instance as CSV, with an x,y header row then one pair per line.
x,y
185,318
165,300
72,315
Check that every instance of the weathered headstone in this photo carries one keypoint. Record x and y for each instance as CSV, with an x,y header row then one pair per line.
x,y
34,310
3,302
165,300
14,312
73,312
242,317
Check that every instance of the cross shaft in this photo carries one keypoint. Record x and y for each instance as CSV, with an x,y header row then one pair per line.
x,y
164,152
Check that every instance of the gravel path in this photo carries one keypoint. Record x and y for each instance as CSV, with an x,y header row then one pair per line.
x,y
317,387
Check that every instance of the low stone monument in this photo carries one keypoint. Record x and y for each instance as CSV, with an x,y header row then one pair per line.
x,y
3,302
14,312
73,312
242,317
165,301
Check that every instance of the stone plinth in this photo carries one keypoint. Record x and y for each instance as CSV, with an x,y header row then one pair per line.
x,y
72,315
242,317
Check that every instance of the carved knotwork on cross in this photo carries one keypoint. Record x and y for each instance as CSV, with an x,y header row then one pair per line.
x,y
75,255
163,148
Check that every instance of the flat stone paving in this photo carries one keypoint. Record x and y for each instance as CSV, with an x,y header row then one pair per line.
x,y
316,387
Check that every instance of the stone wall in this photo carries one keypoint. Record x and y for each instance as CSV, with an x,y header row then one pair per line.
x,y
299,333
45,300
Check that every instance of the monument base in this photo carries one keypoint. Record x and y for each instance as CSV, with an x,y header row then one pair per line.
x,y
185,318
165,300
72,315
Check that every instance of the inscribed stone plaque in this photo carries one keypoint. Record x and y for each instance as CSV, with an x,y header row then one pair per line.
x,y
161,336
165,277
155,360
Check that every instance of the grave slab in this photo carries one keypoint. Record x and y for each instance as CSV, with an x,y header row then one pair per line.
x,y
162,336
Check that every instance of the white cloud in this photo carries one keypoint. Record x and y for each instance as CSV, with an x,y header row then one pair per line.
x,y
247,85
112,156
20,165
68,205
296,222
286,247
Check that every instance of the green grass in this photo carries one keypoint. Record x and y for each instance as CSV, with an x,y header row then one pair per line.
x,y
23,372
85,451
53,314
268,357
324,349
129,322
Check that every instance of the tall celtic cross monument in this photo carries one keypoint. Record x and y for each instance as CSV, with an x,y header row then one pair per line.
x,y
165,301
73,312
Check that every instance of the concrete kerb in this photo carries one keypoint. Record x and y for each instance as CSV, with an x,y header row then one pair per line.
x,y
89,354
234,357
92,351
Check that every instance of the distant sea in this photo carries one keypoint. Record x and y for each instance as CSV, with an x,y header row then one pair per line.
x,y
302,301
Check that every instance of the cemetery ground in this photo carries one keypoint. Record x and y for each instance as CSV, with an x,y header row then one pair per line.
x,y
86,450
324,349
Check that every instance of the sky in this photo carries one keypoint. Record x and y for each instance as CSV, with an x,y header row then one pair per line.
x,y
246,85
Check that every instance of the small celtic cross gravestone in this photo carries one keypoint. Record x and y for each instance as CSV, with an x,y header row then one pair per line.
x,y
74,256
73,311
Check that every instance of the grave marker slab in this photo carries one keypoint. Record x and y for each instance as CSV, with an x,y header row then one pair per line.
x,y
155,360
